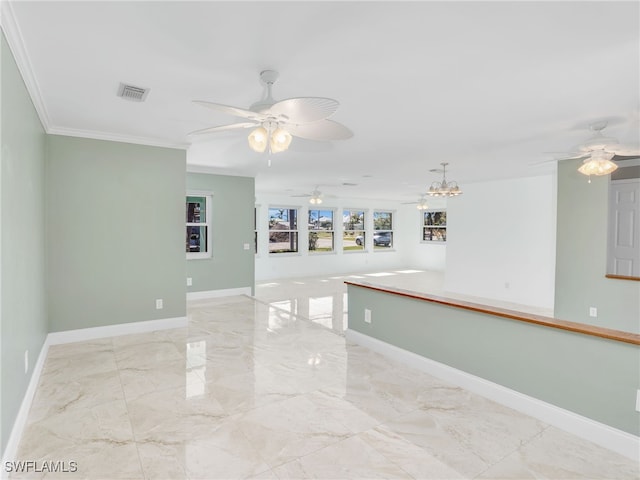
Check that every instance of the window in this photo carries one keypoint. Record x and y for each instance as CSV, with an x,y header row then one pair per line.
x,y
321,231
354,233
382,230
434,226
283,230
198,226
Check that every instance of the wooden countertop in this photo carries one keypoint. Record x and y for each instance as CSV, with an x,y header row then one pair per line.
x,y
550,322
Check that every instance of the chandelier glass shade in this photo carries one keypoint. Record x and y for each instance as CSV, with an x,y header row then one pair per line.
x,y
599,163
444,188
277,139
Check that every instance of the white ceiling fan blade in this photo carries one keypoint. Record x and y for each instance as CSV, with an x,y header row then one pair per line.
x,y
222,128
302,195
238,112
626,151
305,109
320,130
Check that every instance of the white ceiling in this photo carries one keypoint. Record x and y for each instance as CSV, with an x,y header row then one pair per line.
x,y
487,86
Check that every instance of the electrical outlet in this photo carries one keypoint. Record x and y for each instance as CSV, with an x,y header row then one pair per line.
x,y
246,246
367,315
189,281
26,361
159,305
593,312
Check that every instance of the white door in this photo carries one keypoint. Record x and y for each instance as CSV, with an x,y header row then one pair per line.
x,y
624,228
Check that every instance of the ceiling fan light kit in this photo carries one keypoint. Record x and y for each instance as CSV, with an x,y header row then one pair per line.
x,y
599,163
422,205
444,188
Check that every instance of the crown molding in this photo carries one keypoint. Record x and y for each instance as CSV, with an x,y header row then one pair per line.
x,y
115,137
14,38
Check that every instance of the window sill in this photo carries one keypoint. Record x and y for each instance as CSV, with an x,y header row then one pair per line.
x,y
199,257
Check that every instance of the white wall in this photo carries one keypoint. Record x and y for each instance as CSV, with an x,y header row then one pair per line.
x,y
283,265
501,241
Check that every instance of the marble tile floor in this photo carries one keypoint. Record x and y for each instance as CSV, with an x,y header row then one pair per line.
x,y
269,389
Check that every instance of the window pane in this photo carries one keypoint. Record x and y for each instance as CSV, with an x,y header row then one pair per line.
x,y
320,241
281,242
353,240
196,210
434,234
283,219
196,240
353,219
382,221
435,218
382,239
320,219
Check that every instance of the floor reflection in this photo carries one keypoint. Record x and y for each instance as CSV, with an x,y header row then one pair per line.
x,y
273,391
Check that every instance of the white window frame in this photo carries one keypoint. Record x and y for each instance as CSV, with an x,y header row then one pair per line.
x,y
324,230
392,214
423,226
208,196
364,230
296,231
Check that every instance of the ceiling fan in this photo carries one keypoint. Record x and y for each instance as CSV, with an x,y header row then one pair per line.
x,y
598,152
421,204
274,123
315,197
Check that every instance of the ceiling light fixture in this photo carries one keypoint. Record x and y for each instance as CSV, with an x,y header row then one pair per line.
x,y
599,163
422,203
444,188
269,134
316,197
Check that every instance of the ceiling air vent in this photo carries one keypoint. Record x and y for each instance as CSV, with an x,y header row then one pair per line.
x,y
135,94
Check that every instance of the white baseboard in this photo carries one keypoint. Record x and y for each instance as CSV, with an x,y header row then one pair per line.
x,y
11,450
226,292
604,435
83,334
70,336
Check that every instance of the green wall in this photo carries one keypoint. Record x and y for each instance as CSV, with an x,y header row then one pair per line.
x,y
230,266
115,214
23,317
592,376
581,256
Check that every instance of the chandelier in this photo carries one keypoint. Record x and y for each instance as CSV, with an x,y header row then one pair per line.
x,y
598,163
444,188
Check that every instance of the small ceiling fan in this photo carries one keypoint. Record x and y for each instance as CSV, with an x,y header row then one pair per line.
x,y
421,204
274,123
315,197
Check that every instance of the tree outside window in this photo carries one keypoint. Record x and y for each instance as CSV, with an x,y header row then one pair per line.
x,y
283,230
321,233
354,232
